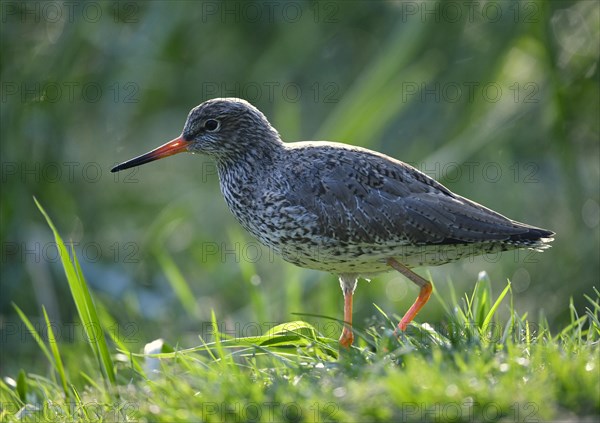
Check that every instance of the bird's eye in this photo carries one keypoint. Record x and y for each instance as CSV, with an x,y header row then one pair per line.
x,y
211,125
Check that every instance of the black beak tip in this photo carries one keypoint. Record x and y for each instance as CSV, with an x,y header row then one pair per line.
x,y
115,169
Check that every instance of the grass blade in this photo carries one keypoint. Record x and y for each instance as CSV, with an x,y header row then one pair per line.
x,y
217,335
98,339
22,386
58,364
492,311
36,336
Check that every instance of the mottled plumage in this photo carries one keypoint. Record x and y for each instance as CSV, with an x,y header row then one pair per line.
x,y
338,208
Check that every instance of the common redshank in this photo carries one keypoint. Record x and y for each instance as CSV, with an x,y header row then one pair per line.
x,y
338,208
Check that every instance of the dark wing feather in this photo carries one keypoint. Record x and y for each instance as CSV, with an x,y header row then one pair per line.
x,y
362,197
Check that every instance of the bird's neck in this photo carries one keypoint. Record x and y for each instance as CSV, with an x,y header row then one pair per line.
x,y
245,180
251,162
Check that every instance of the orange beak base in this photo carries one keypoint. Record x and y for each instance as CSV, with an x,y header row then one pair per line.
x,y
175,146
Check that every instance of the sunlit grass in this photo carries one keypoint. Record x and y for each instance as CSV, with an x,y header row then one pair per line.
x,y
474,367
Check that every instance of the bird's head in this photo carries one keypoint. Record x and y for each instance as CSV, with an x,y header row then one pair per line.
x,y
226,129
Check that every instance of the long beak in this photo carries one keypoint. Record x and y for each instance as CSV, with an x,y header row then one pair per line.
x,y
177,145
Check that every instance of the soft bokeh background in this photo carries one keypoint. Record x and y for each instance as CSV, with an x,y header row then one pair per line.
x,y
499,101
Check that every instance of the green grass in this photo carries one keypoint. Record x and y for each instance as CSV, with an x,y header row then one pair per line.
x,y
472,368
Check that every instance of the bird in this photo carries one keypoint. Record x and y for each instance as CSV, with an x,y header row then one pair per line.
x,y
339,208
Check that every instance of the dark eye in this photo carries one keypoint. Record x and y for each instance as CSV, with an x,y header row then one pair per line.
x,y
211,125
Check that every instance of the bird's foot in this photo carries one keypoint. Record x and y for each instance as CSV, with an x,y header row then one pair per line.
x,y
401,328
403,325
347,337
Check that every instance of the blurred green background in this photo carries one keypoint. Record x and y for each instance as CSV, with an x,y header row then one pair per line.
x,y
497,100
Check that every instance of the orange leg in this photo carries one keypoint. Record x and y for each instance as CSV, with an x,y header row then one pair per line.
x,y
423,297
348,284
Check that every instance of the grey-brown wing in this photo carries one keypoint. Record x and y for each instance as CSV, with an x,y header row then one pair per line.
x,y
365,198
